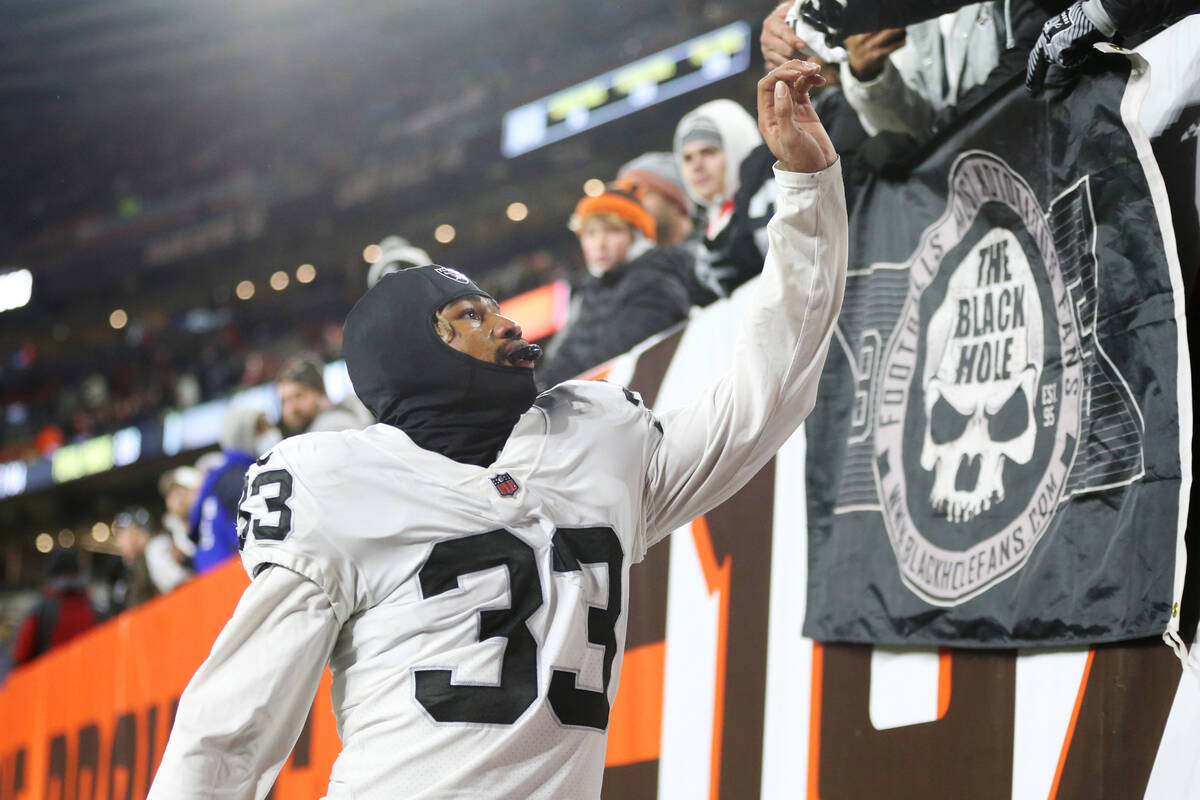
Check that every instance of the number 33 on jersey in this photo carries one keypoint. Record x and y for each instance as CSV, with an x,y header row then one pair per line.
x,y
480,608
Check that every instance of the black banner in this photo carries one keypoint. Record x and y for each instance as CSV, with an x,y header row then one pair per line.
x,y
995,455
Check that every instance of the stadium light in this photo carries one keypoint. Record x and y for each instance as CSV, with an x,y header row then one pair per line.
x,y
118,318
15,289
593,187
517,211
244,290
101,532
44,543
372,253
305,273
445,233
279,280
66,538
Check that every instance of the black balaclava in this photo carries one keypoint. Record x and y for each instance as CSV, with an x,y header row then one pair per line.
x,y
446,401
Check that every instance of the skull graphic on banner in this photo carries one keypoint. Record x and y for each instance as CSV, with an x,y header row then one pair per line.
x,y
984,356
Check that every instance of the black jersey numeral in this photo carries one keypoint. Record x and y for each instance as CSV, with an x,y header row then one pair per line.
x,y
450,702
276,504
574,547
506,701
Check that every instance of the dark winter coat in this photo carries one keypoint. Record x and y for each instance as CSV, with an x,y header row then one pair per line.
x,y
610,314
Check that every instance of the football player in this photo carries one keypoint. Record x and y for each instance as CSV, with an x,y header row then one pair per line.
x,y
462,565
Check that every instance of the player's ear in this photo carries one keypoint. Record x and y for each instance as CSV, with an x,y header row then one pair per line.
x,y
442,327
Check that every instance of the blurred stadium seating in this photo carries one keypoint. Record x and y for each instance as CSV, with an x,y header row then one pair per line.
x,y
160,156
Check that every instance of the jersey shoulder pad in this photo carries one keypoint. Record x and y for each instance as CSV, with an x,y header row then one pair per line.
x,y
597,405
280,521
592,398
319,458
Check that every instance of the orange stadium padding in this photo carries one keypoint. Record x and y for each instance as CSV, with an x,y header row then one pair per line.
x,y
96,712
635,722
539,311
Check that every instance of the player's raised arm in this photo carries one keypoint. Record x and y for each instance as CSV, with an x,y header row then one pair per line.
x,y
711,447
789,124
244,708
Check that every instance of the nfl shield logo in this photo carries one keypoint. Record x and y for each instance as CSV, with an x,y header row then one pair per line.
x,y
505,484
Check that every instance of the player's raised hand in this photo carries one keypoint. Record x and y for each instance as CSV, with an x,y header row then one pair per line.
x,y
787,121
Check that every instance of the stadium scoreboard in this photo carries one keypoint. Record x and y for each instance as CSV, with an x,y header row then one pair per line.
x,y
653,79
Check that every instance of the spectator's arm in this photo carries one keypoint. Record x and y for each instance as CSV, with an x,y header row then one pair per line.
x,y
244,708
778,41
1132,17
846,17
1026,18
1067,38
874,89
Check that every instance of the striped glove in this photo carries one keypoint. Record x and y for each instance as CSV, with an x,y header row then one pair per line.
x,y
1066,40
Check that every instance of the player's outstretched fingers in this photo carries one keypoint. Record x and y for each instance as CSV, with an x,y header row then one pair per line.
x,y
768,123
809,79
783,107
789,124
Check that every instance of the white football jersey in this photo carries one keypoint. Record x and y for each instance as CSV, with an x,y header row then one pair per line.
x,y
482,610
474,618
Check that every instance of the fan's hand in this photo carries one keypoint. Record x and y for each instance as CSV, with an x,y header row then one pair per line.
x,y
778,41
868,52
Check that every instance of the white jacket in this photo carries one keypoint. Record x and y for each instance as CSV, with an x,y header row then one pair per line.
x,y
942,59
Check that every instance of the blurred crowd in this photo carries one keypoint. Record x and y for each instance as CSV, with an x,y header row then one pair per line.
x,y
242,159
53,393
197,529
672,229
53,396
